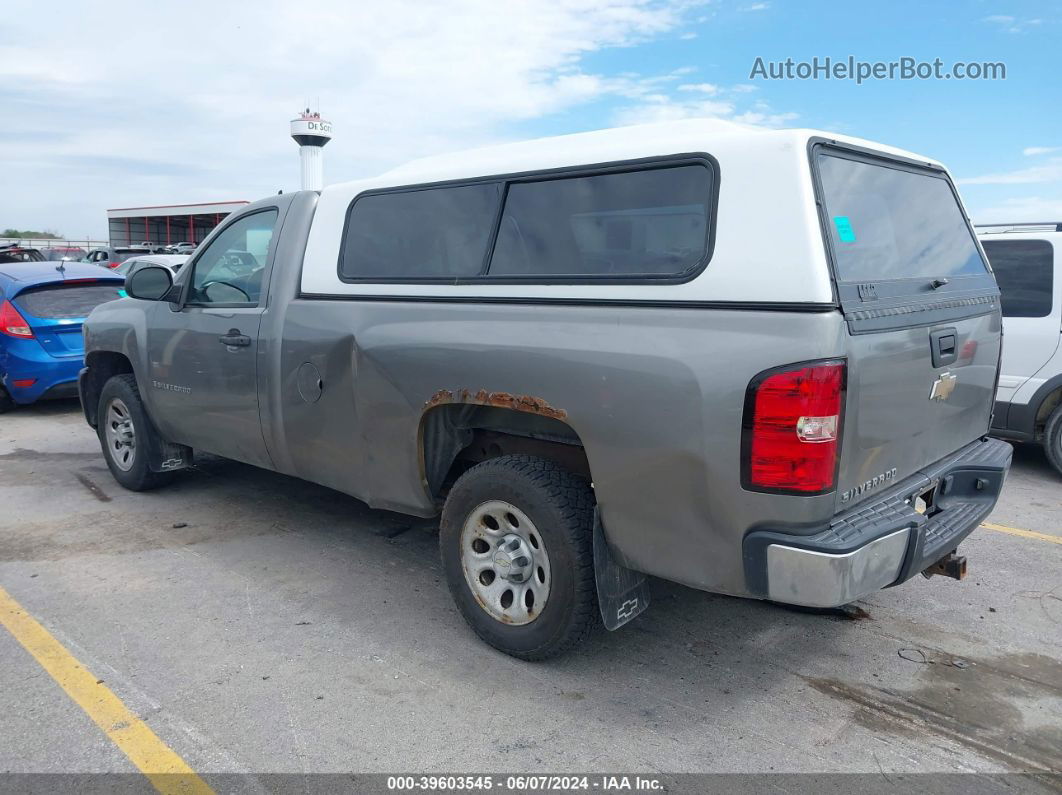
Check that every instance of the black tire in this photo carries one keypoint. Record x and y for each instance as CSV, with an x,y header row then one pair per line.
x,y
1053,439
138,476
6,403
561,507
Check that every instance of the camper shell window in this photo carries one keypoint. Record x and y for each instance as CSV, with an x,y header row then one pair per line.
x,y
647,222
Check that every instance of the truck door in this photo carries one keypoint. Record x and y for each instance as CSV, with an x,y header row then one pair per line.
x,y
1032,319
202,353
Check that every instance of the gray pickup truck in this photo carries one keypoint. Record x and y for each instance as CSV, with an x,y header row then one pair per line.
x,y
759,363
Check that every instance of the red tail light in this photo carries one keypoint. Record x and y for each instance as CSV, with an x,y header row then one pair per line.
x,y
792,429
113,264
12,323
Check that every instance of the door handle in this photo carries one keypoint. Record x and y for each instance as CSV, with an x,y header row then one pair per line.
x,y
943,344
235,339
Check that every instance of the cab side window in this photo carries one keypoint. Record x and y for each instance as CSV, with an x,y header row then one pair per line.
x,y
229,271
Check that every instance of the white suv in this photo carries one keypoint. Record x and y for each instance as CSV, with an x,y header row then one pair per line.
x,y
1027,260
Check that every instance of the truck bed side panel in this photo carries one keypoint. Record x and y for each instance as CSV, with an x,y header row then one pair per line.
x,y
655,394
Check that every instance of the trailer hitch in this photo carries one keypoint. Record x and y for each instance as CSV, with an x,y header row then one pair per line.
x,y
951,565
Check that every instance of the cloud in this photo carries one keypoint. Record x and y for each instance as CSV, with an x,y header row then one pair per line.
x,y
1050,171
1033,151
203,116
756,7
703,88
663,107
662,98
657,107
1029,208
1012,24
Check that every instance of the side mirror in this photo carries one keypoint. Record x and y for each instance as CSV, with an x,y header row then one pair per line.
x,y
149,284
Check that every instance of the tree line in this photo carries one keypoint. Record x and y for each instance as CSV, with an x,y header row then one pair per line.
x,y
30,234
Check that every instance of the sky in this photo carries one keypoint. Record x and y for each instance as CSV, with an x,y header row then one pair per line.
x,y
118,104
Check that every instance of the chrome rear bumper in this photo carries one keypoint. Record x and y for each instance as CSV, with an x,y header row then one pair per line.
x,y
879,542
820,579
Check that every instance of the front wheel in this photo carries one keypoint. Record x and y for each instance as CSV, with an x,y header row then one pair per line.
x,y
125,434
516,541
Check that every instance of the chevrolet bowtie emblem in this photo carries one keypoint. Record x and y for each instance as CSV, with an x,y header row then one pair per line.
x,y
943,387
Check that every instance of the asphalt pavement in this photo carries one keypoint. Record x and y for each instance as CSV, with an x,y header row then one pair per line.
x,y
259,624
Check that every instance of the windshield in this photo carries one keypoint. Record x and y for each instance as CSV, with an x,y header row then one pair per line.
x,y
890,223
126,266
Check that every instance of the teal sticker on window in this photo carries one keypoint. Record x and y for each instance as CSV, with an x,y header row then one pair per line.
x,y
123,294
844,228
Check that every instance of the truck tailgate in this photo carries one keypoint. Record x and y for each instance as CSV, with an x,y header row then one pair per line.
x,y
904,412
922,312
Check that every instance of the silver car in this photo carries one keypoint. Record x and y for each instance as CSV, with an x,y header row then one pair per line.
x,y
135,263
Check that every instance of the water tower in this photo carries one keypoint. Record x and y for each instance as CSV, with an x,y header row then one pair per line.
x,y
311,133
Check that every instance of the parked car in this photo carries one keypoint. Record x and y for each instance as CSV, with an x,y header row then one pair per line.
x,y
42,308
63,253
759,363
171,261
16,253
180,248
1027,260
109,257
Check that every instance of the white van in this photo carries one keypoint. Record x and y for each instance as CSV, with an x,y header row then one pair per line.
x,y
1027,260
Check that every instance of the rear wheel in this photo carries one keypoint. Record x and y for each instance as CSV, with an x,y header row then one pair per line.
x,y
1053,439
516,541
125,433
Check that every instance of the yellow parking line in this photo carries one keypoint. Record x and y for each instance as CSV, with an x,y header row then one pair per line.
x,y
1014,531
167,772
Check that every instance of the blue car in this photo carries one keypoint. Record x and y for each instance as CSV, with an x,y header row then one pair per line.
x,y
42,307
